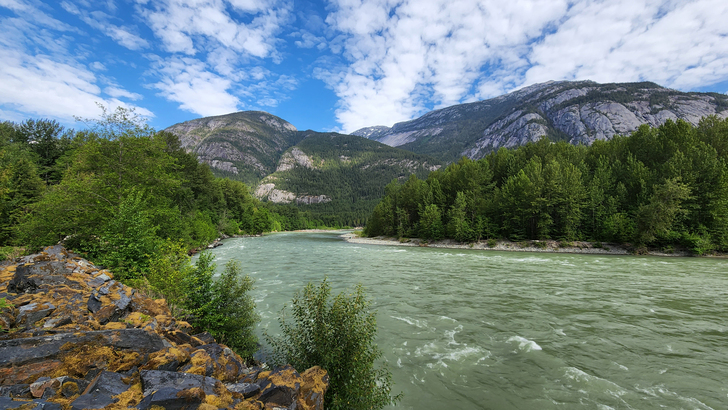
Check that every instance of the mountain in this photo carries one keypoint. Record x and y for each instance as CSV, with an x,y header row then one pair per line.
x,y
574,111
339,174
245,146
336,178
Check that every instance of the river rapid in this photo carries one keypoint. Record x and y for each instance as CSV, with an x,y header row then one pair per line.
x,y
473,329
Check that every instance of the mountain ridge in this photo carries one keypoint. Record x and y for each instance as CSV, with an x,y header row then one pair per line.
x,y
575,111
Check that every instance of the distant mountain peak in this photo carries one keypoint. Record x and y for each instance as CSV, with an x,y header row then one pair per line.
x,y
573,111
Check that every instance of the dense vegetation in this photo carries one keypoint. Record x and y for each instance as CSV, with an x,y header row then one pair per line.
x,y
662,186
116,192
352,171
133,201
338,335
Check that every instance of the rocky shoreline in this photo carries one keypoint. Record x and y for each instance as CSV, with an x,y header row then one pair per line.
x,y
547,246
72,338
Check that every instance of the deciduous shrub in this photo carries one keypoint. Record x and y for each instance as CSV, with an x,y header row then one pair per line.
x,y
338,335
224,306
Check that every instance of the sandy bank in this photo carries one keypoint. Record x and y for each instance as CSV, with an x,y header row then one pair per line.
x,y
548,246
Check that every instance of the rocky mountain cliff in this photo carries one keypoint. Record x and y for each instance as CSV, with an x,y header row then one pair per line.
x,y
244,145
577,112
343,173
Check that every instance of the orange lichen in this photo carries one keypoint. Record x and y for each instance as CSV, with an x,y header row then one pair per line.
x,y
80,358
200,361
114,326
249,405
192,394
129,398
181,354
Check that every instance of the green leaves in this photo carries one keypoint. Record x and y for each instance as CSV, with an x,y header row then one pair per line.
x,y
338,335
659,187
224,306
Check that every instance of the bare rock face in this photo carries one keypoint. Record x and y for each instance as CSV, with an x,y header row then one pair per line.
x,y
80,340
289,160
578,112
248,143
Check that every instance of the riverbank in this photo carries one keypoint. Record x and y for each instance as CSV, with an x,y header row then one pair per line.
x,y
548,246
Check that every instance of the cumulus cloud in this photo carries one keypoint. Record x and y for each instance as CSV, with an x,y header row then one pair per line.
x,y
677,44
178,23
189,82
407,56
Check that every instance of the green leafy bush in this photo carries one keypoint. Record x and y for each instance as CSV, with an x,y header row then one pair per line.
x,y
338,335
224,306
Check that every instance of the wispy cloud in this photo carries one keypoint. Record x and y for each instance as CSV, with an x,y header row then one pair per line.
x,y
41,75
45,87
101,21
404,57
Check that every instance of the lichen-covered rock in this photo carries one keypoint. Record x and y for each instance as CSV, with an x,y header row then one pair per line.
x,y
102,393
80,340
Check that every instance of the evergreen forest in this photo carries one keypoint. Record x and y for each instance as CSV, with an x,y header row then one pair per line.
x,y
659,187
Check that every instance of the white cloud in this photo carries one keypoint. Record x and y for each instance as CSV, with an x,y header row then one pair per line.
x,y
118,92
40,76
680,45
188,81
182,23
41,86
97,65
100,21
404,56
308,40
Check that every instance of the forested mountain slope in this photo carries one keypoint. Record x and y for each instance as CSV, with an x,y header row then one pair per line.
x,y
342,175
244,146
576,112
661,186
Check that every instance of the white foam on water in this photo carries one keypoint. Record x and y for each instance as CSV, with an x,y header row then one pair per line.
x,y
422,324
399,362
451,335
661,391
560,332
580,376
448,318
524,344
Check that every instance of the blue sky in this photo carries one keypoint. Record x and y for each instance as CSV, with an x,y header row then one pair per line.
x,y
338,64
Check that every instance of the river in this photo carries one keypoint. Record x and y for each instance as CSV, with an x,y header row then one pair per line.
x,y
469,329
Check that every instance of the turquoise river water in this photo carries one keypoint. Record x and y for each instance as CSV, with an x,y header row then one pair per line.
x,y
469,329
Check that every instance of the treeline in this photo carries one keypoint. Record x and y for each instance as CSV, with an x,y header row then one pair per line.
x,y
352,171
116,191
661,186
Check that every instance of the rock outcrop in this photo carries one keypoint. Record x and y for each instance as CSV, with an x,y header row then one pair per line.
x,y
245,145
579,112
74,338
